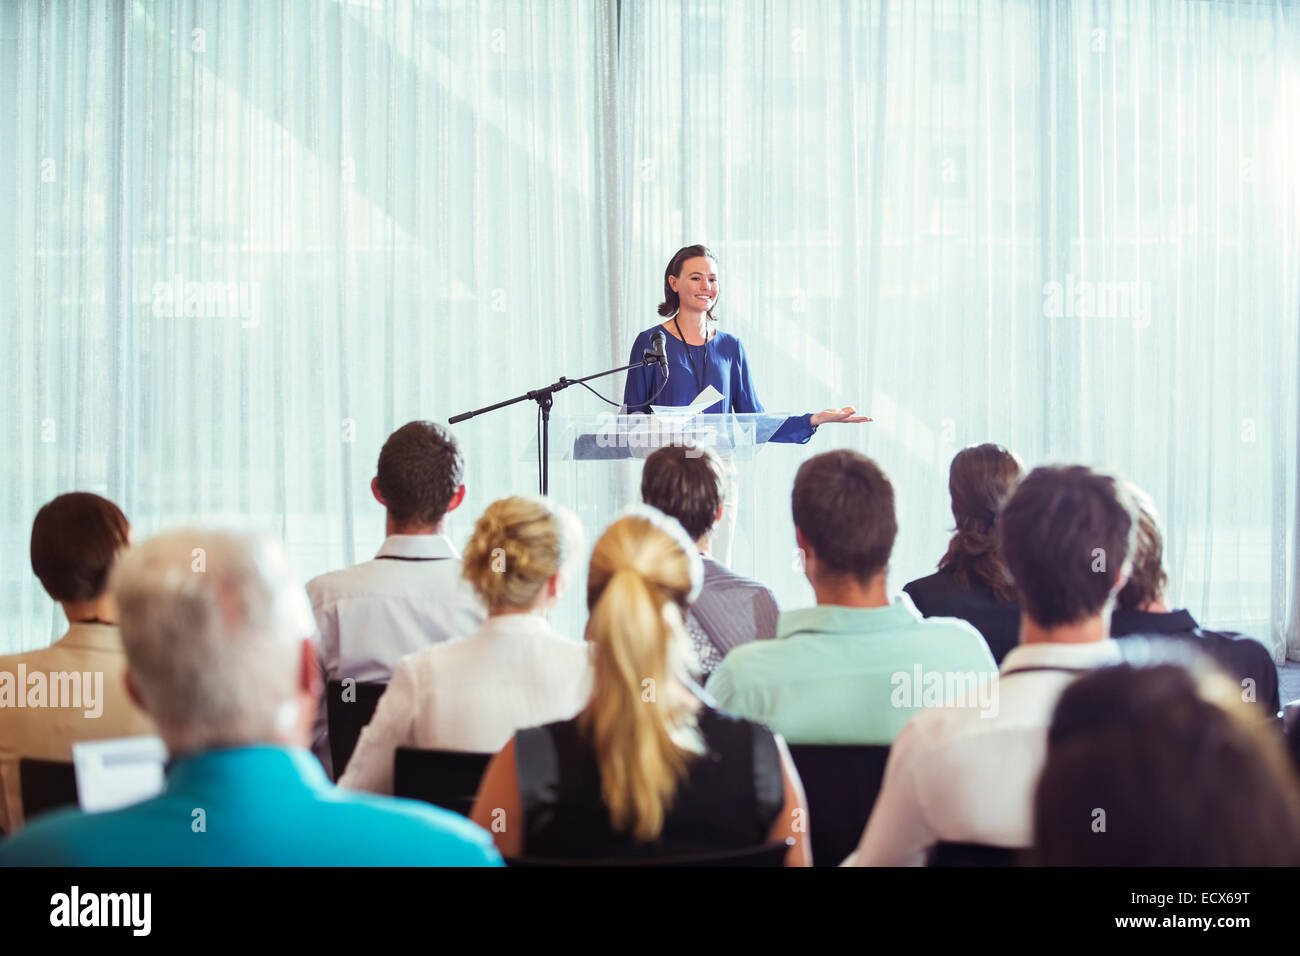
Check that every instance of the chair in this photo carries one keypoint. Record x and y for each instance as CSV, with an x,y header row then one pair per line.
x,y
768,854
1289,721
841,783
46,785
346,718
1288,716
972,854
445,778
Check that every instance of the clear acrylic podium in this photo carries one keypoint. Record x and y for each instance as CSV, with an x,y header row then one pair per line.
x,y
595,470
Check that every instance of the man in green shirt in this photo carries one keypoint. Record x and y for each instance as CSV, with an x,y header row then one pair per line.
x,y
856,667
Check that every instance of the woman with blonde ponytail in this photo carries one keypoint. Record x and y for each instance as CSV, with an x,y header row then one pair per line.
x,y
472,693
647,768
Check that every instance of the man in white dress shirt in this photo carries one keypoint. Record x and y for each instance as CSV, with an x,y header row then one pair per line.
x,y
411,594
968,775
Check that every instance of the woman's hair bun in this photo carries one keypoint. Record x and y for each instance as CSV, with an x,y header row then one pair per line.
x,y
518,545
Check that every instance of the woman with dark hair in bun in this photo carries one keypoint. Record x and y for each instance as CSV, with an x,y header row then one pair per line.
x,y
699,355
972,582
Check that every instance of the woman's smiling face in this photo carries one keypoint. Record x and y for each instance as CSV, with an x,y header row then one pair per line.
x,y
697,285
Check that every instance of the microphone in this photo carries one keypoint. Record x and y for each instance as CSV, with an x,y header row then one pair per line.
x,y
657,352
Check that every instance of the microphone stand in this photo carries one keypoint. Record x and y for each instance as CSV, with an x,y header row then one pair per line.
x,y
544,397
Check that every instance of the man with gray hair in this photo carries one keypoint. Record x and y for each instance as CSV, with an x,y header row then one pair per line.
x,y
219,652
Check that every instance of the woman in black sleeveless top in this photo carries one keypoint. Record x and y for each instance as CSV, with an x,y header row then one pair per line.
x,y
646,769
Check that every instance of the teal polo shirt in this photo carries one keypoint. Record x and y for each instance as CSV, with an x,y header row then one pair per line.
x,y
834,674
253,806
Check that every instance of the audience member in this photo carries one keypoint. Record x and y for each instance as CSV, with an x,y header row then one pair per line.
x,y
972,582
645,769
411,594
851,670
1140,609
221,659
1146,766
473,693
966,775
75,540
689,484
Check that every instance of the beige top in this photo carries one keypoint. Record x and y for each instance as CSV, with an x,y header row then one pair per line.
x,y
472,694
85,699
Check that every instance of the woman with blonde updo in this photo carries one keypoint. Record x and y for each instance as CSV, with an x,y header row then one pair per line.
x,y
472,693
646,769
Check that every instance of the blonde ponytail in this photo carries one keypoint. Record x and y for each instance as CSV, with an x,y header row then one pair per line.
x,y
640,719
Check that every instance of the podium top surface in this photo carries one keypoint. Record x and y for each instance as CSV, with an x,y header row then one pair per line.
x,y
610,436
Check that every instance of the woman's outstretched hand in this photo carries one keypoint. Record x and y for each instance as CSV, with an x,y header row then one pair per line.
x,y
848,414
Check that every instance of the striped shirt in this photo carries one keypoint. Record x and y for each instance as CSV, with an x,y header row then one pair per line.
x,y
731,610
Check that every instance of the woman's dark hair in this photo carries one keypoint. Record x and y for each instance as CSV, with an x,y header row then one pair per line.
x,y
75,540
980,479
671,302
1160,766
1147,577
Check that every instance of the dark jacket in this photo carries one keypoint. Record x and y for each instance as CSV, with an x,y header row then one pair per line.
x,y
1241,656
939,595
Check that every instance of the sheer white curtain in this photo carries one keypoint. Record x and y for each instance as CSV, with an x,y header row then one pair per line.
x,y
243,241
1070,228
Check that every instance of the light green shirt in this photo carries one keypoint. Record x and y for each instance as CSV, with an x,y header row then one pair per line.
x,y
846,675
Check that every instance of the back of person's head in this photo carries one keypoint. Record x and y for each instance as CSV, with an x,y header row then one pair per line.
x,y
644,575
518,545
980,480
688,484
843,505
1147,577
213,624
76,539
420,470
1066,533
1162,766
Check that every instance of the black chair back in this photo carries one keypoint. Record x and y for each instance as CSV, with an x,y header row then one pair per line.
x,y
972,854
1289,716
445,778
348,716
768,854
46,785
840,783
1289,720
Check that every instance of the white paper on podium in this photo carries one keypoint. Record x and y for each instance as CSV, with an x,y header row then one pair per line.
x,y
710,396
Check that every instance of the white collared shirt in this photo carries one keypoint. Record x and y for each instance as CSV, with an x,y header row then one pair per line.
x,y
472,694
955,775
373,614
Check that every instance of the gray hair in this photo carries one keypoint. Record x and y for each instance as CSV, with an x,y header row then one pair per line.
x,y
212,624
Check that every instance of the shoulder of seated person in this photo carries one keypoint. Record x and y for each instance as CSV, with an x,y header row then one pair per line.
x,y
927,582
337,580
942,624
1235,639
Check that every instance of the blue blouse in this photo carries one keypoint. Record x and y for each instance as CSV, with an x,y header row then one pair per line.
x,y
721,363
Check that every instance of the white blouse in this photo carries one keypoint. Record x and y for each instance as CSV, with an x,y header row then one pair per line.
x,y
471,694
